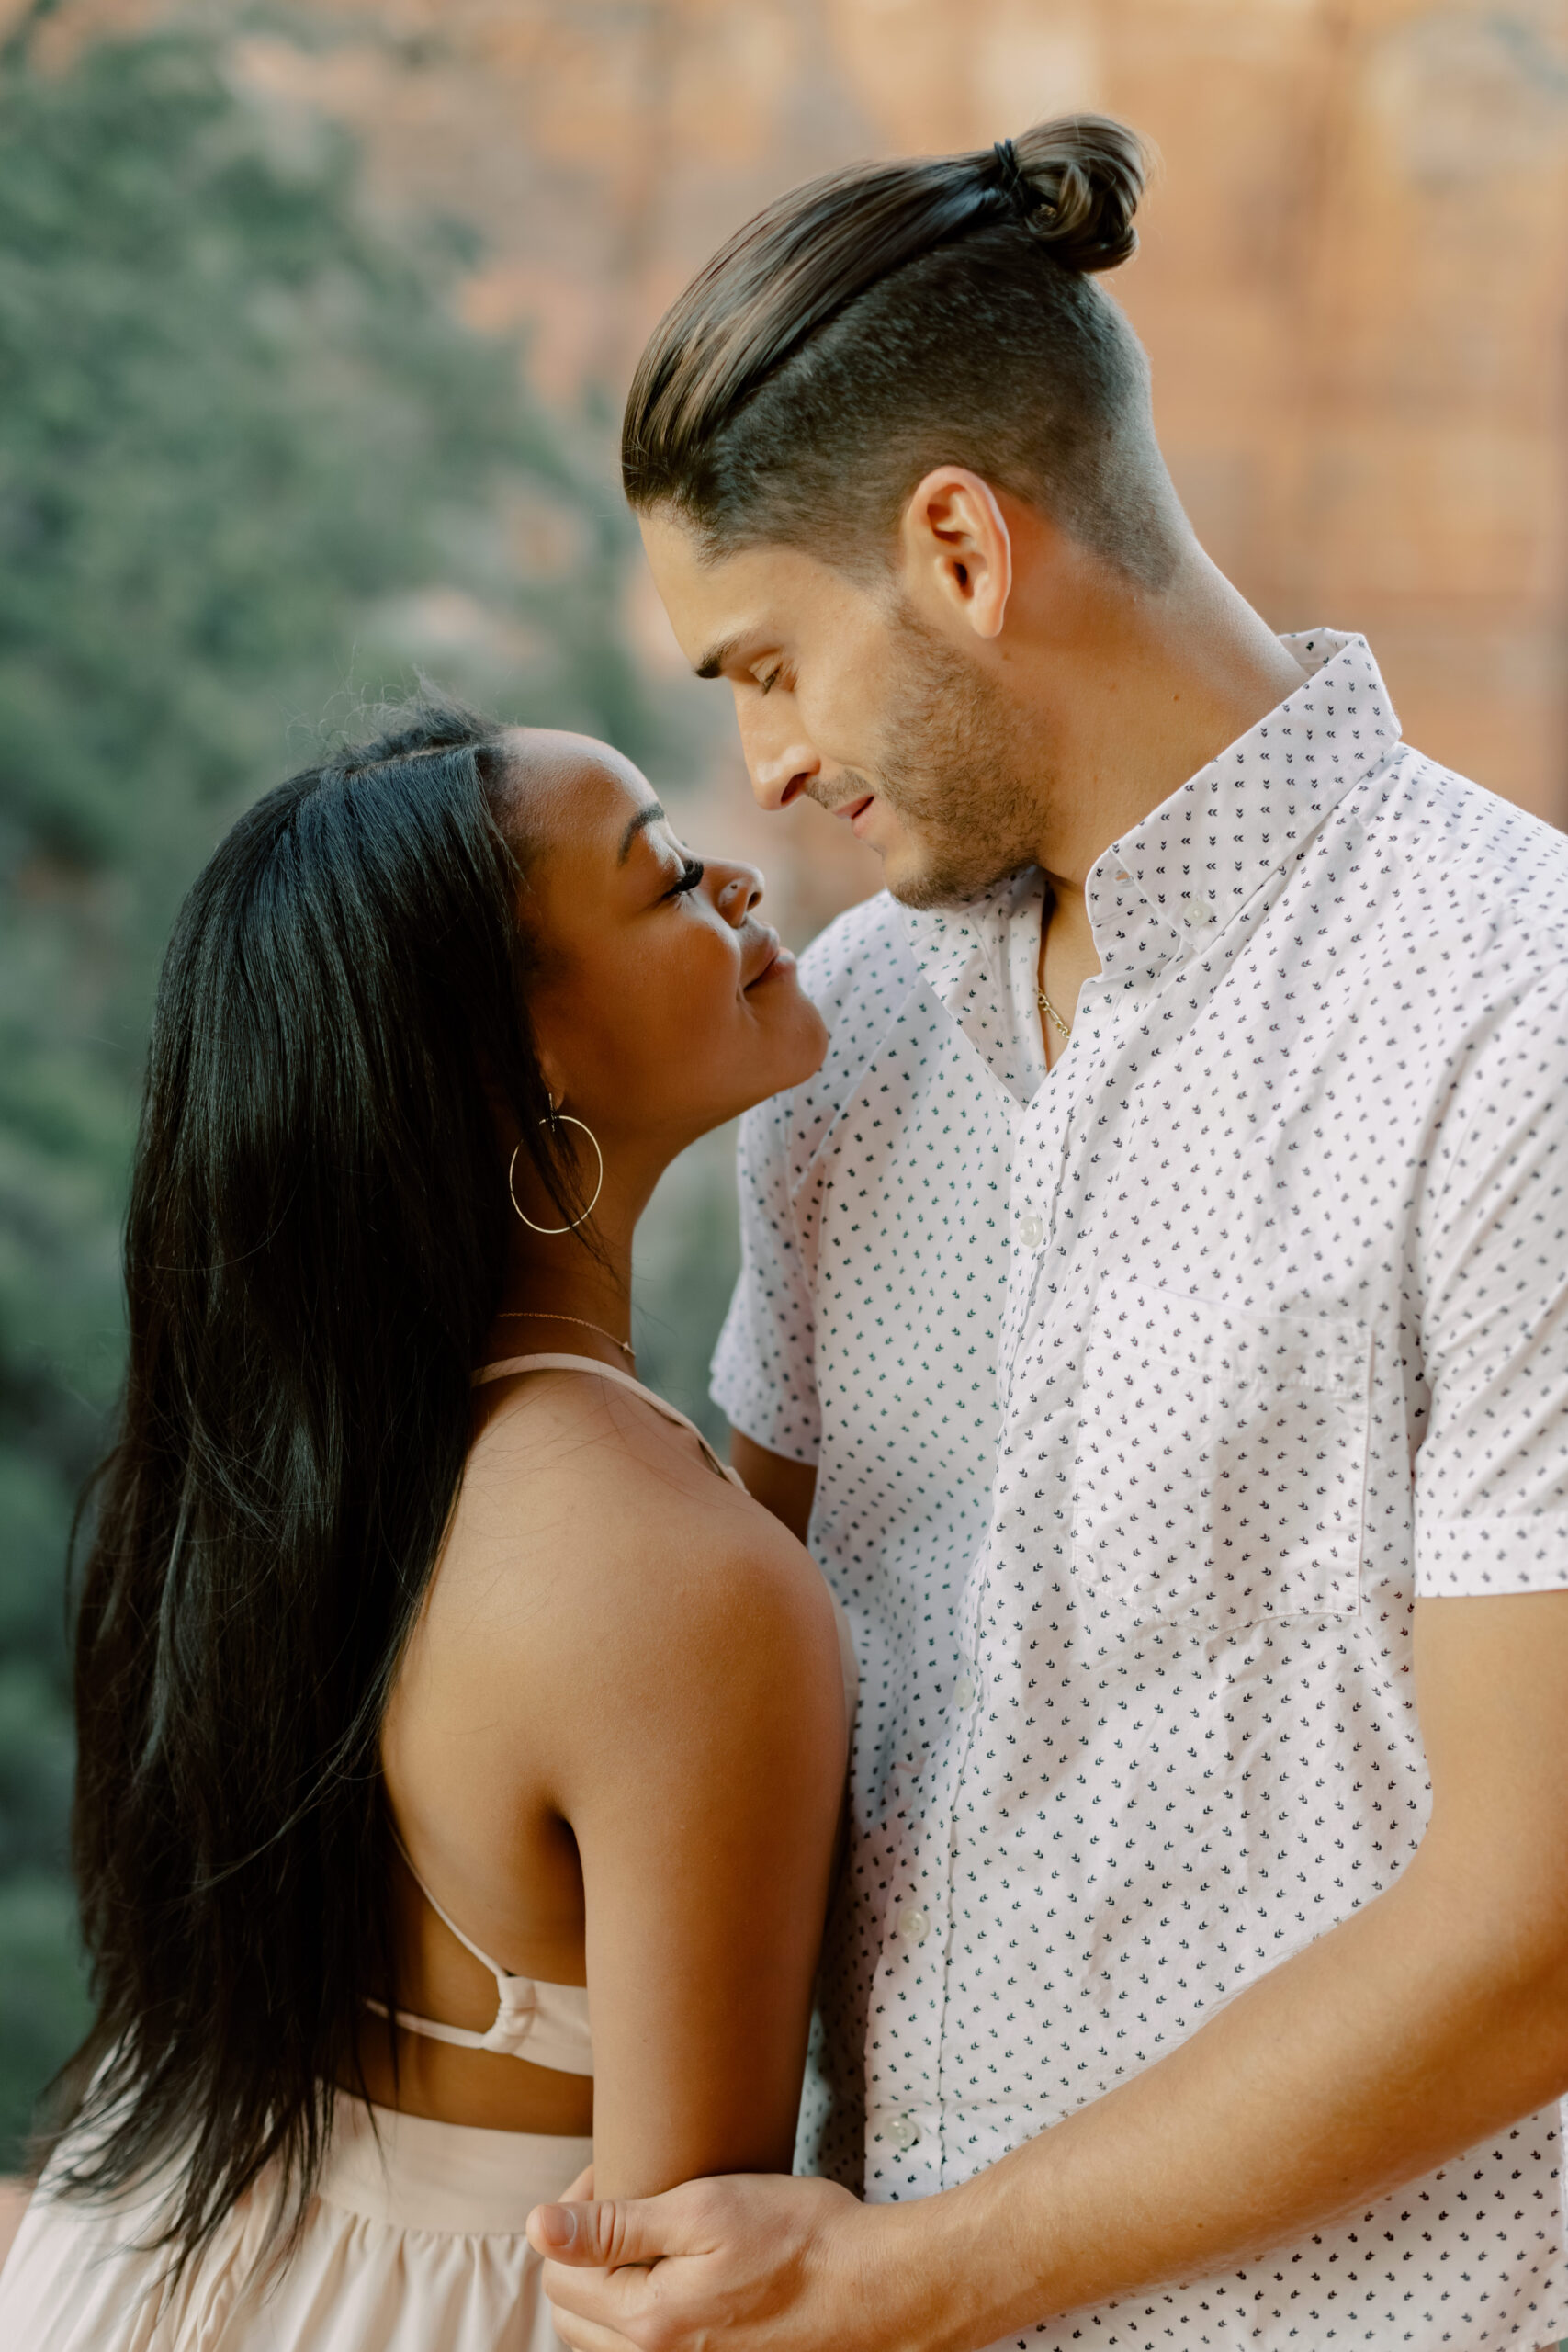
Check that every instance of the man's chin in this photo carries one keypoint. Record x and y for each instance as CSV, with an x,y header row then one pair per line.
x,y
923,883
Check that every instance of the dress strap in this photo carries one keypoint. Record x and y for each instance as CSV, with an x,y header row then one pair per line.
x,y
623,1380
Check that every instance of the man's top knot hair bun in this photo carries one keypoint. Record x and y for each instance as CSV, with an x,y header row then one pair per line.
x,y
1025,200
1073,185
860,294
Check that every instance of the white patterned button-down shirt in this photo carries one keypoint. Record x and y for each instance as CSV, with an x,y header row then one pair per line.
x,y
1144,1398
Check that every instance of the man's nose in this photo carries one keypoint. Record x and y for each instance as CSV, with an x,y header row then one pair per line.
x,y
781,766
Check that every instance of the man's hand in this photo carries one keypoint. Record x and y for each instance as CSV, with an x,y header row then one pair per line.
x,y
763,2263
1420,2026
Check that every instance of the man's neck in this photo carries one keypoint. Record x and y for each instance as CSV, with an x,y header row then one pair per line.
x,y
1160,685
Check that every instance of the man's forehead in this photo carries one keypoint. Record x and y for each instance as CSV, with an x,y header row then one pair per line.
x,y
724,605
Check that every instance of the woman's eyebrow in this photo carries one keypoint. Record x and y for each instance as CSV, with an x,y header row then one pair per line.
x,y
648,814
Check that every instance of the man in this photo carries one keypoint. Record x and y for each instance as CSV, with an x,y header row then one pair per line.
x,y
1158,1309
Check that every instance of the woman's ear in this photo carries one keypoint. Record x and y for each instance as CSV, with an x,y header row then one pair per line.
x,y
553,1074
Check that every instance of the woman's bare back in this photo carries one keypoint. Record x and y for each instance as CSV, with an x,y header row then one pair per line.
x,y
615,1755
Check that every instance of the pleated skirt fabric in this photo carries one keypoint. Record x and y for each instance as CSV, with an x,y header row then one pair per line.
x,y
413,2242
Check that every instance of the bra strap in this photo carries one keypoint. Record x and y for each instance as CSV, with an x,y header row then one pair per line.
x,y
501,1976
546,2024
460,2037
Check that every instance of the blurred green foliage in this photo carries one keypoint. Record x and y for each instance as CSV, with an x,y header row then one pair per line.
x,y
688,1254
245,444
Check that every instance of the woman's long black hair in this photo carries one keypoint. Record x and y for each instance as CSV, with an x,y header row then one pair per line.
x,y
314,1253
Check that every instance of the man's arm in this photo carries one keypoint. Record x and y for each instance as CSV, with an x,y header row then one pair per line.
x,y
1418,2027
764,1369
786,1488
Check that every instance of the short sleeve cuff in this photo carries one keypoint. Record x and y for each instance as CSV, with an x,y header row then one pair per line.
x,y
771,1411
1512,1553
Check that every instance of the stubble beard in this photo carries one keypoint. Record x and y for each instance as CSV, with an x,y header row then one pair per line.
x,y
957,772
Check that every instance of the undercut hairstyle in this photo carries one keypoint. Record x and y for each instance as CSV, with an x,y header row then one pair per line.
x,y
315,1250
895,317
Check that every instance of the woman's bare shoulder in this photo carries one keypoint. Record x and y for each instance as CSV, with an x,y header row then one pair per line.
x,y
591,1535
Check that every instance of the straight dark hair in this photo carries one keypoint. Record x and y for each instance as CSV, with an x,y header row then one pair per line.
x,y
897,316
314,1253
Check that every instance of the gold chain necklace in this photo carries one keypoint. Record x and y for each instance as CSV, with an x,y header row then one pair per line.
x,y
542,1315
1047,1007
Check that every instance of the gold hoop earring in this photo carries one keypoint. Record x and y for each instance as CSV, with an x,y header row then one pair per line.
x,y
558,1119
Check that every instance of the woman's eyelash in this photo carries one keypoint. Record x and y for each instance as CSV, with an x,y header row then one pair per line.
x,y
691,874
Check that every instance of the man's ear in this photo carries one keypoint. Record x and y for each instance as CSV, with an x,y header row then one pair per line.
x,y
958,551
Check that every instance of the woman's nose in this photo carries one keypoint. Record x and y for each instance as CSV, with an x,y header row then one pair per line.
x,y
736,897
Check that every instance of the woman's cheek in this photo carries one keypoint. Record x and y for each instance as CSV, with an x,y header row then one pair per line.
x,y
689,1005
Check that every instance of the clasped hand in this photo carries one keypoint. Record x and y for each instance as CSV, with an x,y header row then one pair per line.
x,y
752,2263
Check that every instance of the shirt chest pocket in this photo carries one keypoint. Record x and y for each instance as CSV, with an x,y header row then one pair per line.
x,y
1221,1464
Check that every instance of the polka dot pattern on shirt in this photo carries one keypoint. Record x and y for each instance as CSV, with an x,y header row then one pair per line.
x,y
1145,1396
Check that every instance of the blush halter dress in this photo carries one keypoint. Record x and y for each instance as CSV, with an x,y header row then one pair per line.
x,y
413,2240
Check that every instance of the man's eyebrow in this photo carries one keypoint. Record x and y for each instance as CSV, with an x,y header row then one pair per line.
x,y
717,656
648,814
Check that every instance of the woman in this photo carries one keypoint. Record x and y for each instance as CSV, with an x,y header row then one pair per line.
x,y
430,1671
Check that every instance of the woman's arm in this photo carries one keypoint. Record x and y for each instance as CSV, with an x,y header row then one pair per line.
x,y
704,1789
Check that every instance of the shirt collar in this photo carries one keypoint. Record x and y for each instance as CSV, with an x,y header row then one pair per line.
x,y
1180,874
1194,862
980,959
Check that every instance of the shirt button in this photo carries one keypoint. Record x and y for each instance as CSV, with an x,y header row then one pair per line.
x,y
1198,914
914,1925
963,1691
903,2131
1031,1230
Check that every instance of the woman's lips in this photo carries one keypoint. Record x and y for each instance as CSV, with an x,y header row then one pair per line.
x,y
776,960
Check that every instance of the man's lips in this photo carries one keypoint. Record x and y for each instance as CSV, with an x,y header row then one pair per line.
x,y
853,811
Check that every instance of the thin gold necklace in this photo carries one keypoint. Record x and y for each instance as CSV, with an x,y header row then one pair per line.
x,y
542,1315
1047,1007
